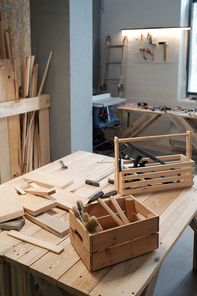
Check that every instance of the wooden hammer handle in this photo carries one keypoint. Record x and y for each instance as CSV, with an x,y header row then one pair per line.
x,y
110,212
119,210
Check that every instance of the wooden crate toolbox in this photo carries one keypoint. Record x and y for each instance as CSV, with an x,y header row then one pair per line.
x,y
176,172
115,243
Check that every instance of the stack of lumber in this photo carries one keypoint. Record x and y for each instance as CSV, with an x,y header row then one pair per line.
x,y
23,146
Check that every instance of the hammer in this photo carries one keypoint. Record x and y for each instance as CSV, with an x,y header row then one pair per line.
x,y
99,197
164,49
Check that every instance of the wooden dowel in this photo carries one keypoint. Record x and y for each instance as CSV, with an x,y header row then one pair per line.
x,y
110,212
16,79
136,139
119,210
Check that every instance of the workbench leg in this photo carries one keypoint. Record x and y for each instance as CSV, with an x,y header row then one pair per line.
x,y
149,290
193,225
195,252
5,281
47,288
29,284
14,280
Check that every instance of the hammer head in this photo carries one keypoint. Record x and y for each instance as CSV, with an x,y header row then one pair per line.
x,y
100,194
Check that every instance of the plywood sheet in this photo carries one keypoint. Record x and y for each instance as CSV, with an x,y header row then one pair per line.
x,y
47,180
36,205
11,207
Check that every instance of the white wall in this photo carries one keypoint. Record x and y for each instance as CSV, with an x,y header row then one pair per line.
x,y
157,83
65,27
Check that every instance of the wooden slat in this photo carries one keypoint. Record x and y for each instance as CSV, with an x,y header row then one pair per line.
x,y
13,122
50,223
36,205
37,242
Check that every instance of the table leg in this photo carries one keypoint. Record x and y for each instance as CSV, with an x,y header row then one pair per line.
x,y
47,288
14,280
142,123
5,281
193,225
149,290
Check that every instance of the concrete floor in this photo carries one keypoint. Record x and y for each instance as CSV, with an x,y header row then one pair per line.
x,y
176,277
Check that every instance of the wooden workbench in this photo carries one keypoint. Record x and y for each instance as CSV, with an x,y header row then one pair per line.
x,y
21,264
182,120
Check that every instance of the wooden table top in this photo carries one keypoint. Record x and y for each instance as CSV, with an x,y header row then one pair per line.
x,y
169,113
176,209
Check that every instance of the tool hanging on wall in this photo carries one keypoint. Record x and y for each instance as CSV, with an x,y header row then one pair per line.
x,y
164,49
143,52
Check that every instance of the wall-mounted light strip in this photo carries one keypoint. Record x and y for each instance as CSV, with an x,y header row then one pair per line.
x,y
153,29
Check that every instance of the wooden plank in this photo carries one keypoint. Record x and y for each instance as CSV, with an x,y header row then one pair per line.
x,y
42,266
21,106
37,242
11,207
50,223
5,174
16,224
2,43
47,180
36,205
40,191
44,137
13,122
65,199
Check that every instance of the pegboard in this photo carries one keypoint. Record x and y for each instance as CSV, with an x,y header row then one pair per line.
x,y
145,57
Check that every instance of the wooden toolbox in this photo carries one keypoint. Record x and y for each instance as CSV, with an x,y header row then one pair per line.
x,y
175,172
115,243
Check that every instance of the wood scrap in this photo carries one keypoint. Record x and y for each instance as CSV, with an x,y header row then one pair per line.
x,y
36,205
40,191
50,223
15,224
37,242
47,180
11,207
65,199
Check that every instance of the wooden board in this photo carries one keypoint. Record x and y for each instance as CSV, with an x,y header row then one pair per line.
x,y
15,224
47,180
65,199
36,205
37,242
40,191
11,207
50,223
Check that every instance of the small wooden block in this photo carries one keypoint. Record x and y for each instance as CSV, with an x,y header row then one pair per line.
x,y
50,223
40,191
16,224
47,180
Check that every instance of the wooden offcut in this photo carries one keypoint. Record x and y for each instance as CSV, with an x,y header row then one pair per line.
x,y
11,206
47,180
37,242
36,205
15,224
50,223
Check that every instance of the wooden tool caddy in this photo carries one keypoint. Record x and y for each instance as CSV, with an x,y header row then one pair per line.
x,y
177,172
115,243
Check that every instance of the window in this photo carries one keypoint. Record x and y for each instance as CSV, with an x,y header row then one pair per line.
x,y
192,62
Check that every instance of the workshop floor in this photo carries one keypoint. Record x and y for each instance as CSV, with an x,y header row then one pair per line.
x,y
176,277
